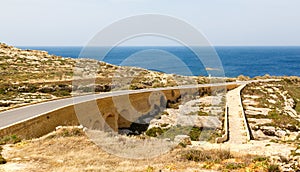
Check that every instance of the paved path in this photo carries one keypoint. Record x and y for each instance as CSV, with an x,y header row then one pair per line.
x,y
237,129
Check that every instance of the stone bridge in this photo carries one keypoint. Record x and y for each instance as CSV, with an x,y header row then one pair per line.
x,y
114,110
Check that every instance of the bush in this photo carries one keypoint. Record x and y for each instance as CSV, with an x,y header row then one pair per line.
x,y
234,165
195,134
259,159
12,139
273,168
154,132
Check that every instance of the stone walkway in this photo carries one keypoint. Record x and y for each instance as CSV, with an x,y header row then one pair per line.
x,y
237,129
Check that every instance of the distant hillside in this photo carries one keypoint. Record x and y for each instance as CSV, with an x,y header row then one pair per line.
x,y
29,76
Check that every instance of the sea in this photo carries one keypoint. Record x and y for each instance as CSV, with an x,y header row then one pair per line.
x,y
231,60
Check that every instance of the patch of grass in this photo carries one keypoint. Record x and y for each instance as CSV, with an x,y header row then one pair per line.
x,y
262,163
259,159
154,132
10,139
201,113
149,169
193,132
273,168
293,153
173,105
171,133
72,132
283,120
208,165
67,132
234,165
215,156
297,108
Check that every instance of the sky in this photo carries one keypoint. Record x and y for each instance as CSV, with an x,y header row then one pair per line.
x,y
223,22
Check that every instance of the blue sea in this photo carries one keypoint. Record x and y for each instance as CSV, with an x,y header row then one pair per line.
x,y
249,61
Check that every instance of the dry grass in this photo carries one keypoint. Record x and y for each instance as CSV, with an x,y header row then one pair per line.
x,y
71,150
215,156
79,154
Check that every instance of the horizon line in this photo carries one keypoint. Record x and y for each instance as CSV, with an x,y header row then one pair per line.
x,y
158,46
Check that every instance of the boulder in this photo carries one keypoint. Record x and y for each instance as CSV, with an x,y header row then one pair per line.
x,y
184,139
268,130
280,133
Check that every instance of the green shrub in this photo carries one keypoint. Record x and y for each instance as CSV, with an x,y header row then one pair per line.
x,y
149,169
259,159
11,139
273,168
154,132
195,134
71,132
234,165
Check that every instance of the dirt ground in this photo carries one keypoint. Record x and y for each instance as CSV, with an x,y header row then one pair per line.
x,y
72,150
80,154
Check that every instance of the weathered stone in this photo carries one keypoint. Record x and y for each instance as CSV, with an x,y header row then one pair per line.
x,y
268,130
280,133
259,135
184,139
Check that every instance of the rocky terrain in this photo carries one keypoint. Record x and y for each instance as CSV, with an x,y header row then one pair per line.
x,y
69,149
30,76
273,113
272,110
203,114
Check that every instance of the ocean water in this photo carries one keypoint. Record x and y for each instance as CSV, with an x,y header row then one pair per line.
x,y
249,61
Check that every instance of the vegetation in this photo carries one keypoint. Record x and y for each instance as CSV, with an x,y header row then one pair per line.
x,y
234,165
195,133
172,132
227,162
10,139
279,117
283,121
66,132
154,132
215,156
292,85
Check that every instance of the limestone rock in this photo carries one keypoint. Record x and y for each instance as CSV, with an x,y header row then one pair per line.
x,y
280,133
184,139
268,130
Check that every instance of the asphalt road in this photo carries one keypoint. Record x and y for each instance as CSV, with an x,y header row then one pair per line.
x,y
17,115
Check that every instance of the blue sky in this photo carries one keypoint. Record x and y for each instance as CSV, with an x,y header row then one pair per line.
x,y
223,22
